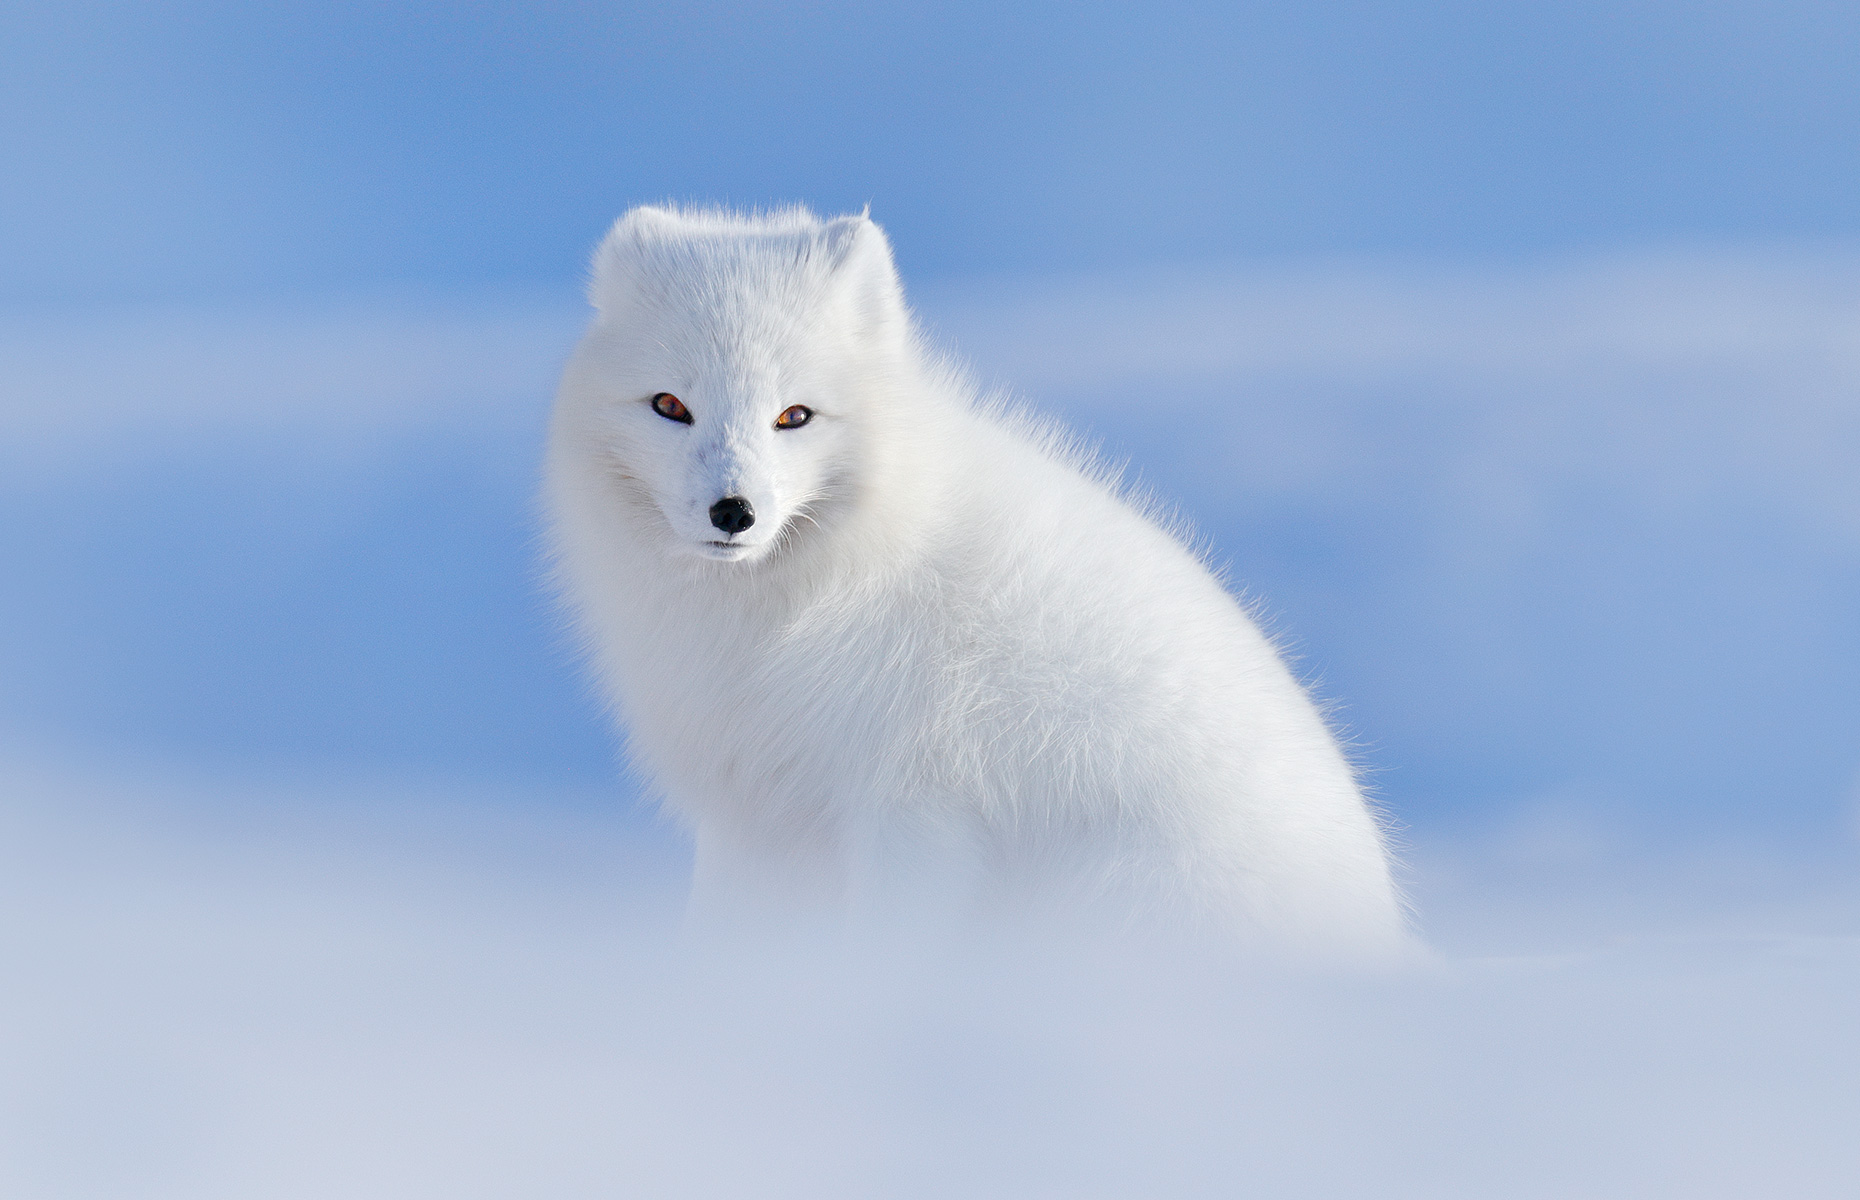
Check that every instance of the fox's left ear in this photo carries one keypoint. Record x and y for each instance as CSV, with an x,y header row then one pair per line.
x,y
863,270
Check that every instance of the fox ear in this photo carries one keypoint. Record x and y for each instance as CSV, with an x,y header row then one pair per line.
x,y
616,260
864,271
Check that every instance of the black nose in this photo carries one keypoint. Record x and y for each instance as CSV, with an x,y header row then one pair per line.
x,y
732,514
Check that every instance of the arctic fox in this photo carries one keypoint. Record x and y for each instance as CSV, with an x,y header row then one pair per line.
x,y
881,643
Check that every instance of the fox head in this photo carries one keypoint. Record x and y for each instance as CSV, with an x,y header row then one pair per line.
x,y
736,373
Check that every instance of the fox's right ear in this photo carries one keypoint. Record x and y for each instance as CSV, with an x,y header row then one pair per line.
x,y
616,260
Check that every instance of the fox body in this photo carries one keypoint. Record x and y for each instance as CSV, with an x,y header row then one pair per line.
x,y
882,644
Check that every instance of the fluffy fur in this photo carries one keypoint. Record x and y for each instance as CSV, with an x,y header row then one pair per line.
x,y
949,665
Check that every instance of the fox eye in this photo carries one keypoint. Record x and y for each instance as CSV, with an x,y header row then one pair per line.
x,y
795,417
671,408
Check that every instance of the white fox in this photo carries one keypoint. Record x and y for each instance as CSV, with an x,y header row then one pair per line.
x,y
882,644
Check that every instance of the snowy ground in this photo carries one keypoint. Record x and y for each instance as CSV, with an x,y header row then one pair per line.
x,y
397,992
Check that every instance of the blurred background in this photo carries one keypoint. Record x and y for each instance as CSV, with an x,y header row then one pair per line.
x,y
1506,355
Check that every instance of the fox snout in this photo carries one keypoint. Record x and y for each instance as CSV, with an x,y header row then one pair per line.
x,y
732,514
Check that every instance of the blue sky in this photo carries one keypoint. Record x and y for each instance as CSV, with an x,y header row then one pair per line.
x,y
1507,356
199,151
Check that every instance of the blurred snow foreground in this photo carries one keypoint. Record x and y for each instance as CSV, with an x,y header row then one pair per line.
x,y
219,993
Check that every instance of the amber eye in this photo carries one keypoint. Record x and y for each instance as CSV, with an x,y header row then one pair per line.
x,y
671,408
794,418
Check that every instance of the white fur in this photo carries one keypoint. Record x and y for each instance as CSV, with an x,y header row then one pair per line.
x,y
950,663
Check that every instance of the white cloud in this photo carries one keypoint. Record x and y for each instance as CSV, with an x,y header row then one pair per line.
x,y
1373,320
143,384
1684,379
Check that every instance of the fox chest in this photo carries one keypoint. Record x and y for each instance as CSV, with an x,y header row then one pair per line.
x,y
830,705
